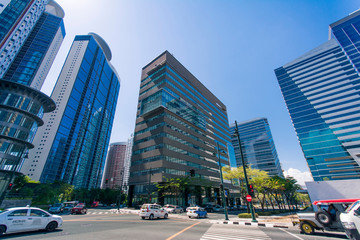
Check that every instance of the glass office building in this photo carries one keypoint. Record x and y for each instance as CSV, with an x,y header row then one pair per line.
x,y
322,95
35,57
257,145
17,19
31,33
72,146
179,123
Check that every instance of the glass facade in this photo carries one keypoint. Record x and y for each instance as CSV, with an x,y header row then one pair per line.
x,y
21,110
30,56
322,96
10,15
24,25
79,147
347,33
258,146
178,125
17,19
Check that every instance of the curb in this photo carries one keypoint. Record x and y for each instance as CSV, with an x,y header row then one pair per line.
x,y
250,224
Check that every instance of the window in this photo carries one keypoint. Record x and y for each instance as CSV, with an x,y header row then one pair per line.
x,y
17,213
38,213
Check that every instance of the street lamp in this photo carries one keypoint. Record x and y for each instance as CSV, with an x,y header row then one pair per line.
x,y
245,175
222,181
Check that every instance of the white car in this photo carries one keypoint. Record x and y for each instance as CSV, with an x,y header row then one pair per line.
x,y
21,219
173,208
151,211
350,219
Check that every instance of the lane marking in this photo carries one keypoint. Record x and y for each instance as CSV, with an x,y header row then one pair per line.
x,y
185,229
291,234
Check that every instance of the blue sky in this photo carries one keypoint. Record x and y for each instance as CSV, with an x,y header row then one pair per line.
x,y
231,46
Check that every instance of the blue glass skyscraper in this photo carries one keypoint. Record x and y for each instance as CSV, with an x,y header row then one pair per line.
x,y
36,55
257,145
31,33
72,145
321,91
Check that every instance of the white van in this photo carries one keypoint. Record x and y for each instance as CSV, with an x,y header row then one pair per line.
x,y
350,219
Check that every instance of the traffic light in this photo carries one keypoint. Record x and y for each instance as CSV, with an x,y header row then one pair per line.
x,y
10,186
106,181
251,191
192,172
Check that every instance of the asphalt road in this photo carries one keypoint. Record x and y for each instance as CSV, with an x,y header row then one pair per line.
x,y
102,224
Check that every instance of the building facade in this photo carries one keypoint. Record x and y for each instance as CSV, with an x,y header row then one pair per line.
x,y
258,146
17,19
114,169
127,162
179,123
321,92
72,146
36,55
31,33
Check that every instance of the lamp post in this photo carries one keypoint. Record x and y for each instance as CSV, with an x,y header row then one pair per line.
x,y
245,175
222,182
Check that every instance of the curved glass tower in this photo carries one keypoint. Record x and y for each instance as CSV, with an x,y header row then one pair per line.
x,y
72,146
31,33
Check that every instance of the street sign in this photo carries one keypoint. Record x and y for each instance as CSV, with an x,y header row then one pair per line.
x,y
248,198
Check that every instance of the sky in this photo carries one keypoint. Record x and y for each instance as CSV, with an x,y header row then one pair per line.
x,y
231,46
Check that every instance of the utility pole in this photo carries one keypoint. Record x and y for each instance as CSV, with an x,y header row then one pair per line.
x,y
221,183
245,174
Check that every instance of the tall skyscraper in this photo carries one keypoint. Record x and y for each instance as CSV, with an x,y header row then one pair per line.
x,y
17,19
72,145
127,162
257,145
114,169
322,95
179,123
31,33
35,57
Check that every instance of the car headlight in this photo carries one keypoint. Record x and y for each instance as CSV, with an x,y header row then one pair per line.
x,y
349,225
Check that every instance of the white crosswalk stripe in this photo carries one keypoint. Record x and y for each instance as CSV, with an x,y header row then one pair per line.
x,y
224,232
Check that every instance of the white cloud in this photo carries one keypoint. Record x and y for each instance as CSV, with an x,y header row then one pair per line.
x,y
301,177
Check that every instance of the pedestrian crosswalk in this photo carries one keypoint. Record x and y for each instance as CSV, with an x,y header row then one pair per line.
x,y
228,232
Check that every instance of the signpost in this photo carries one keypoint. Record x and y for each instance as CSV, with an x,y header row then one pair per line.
x,y
248,198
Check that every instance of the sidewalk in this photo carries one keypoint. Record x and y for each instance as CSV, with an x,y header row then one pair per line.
x,y
281,221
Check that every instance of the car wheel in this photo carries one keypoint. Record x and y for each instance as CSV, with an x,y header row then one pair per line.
x,y
166,216
323,218
51,226
151,217
142,217
2,230
306,228
189,216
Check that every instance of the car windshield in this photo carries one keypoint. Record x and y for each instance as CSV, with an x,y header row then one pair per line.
x,y
57,205
352,206
4,211
144,206
79,205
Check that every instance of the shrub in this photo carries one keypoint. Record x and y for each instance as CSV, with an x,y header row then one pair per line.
x,y
265,213
247,215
